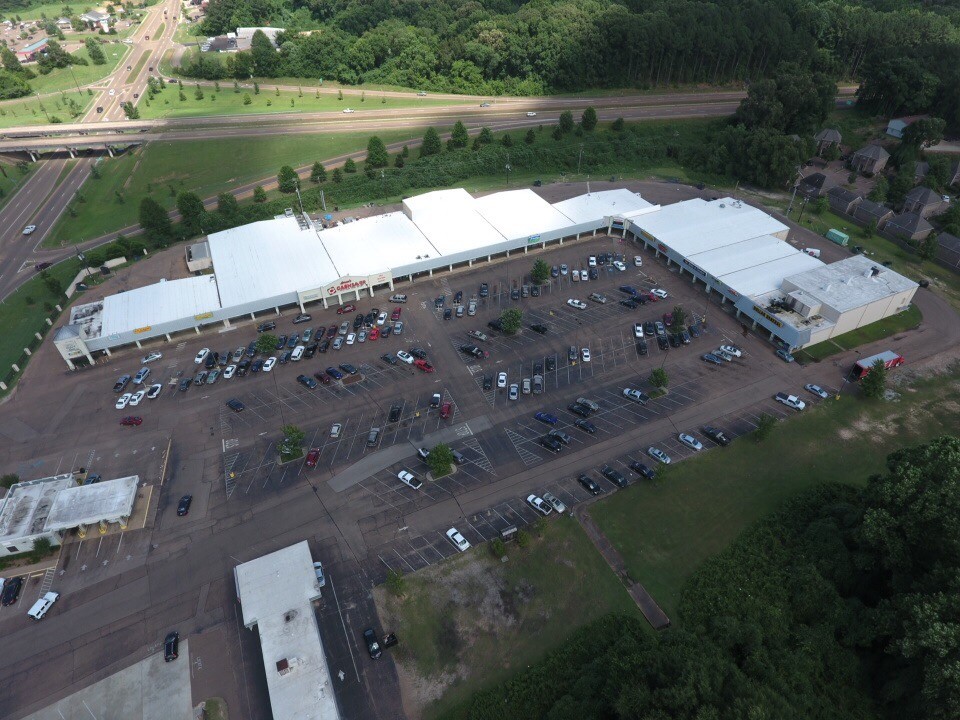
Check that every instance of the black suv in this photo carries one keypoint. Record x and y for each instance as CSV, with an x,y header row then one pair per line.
x,y
419,353
484,290
395,411
212,360
183,507
586,425
539,328
716,434
373,647
11,590
551,363
495,324
551,443
263,327
235,405
348,368
252,349
293,340
487,382
243,367
358,321
641,347
389,359
613,476
281,342
662,342
307,381
171,646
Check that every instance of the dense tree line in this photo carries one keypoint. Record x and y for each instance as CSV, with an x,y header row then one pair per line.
x,y
495,46
844,604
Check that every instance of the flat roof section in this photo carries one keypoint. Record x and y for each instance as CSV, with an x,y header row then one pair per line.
x,y
761,279
268,259
159,303
375,244
695,226
108,500
851,283
744,254
450,221
25,510
521,214
276,593
598,205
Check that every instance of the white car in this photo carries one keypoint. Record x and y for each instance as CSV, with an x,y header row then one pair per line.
x,y
720,353
690,441
732,350
398,327
28,230
229,371
335,430
405,357
458,540
112,92
381,318
578,304
141,375
137,397
791,401
409,479
538,504
268,365
584,275
637,330
564,269
660,293
531,114
817,390
554,502
635,395
619,265
201,356
585,354
351,338
318,571
502,380
348,110
658,455
514,392
123,400
637,261
361,337
154,391
150,357
592,261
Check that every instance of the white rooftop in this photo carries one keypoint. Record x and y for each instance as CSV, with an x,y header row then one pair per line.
x,y
694,226
107,500
759,279
159,303
521,214
851,283
267,259
450,221
375,244
276,592
598,205
746,253
25,510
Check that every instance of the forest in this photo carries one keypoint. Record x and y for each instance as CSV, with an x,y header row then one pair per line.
x,y
547,46
844,604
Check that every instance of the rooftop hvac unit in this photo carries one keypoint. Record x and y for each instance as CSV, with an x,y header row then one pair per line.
x,y
288,665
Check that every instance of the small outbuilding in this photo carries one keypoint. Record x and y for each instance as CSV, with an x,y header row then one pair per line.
x,y
897,126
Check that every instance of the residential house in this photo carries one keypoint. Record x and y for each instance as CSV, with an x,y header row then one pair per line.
x,y
827,137
870,159
30,52
869,212
815,185
924,201
64,23
96,20
948,250
922,169
909,226
896,126
842,200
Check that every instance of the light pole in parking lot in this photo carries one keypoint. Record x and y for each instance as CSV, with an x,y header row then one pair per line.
x,y
846,378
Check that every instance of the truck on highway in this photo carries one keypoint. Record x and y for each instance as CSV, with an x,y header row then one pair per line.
x,y
889,358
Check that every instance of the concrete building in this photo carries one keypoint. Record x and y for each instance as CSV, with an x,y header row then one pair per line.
x,y
869,160
49,507
276,594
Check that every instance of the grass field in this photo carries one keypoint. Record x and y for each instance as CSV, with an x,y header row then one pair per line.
x,y
228,102
10,179
205,167
471,622
34,111
908,319
664,530
63,78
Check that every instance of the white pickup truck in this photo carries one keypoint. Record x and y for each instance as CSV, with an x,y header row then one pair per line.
x,y
791,401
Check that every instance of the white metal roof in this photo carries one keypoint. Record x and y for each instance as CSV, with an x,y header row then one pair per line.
x,y
25,510
598,205
745,254
159,303
375,244
759,279
521,214
694,226
276,592
267,259
87,504
450,221
851,283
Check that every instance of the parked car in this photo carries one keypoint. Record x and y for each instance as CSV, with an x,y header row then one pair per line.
x,y
732,350
171,647
150,357
642,470
546,418
716,435
791,401
589,484
121,383
578,304
132,421
269,363
586,426
370,637
658,455
302,318
313,457
201,355
785,355
514,392
636,395
458,540
264,327
578,409
409,479
183,507
551,443
690,441
712,359
817,390
235,405
614,476
539,504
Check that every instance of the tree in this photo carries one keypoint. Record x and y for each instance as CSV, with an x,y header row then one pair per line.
x,y
259,194
902,183
198,92
928,248
247,100
227,205
337,175
12,86
318,173
10,60
924,133
41,548
291,446
510,320
377,156
506,140
498,548
765,425
566,122
287,179
191,211
440,460
458,137
485,136
349,166
540,272
431,143
880,189
618,125
266,343
264,55
530,138
588,121
658,378
95,51
9,480
154,220
679,318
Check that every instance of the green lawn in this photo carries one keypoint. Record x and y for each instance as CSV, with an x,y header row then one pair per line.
x,y
67,79
664,530
908,319
472,621
228,102
205,167
33,111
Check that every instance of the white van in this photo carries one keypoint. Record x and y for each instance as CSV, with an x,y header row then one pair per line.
x,y
297,353
41,606
812,252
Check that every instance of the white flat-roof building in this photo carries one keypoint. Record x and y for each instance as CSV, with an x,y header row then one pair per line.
x,y
48,507
276,594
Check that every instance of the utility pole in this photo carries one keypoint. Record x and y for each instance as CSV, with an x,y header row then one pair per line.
x,y
802,208
579,158
796,184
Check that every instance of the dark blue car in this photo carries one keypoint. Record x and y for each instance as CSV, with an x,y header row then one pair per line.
x,y
546,418
334,373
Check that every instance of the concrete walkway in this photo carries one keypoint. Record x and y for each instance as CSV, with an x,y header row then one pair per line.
x,y
382,459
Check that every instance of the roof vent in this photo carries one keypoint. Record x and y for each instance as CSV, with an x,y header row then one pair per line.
x,y
874,271
289,615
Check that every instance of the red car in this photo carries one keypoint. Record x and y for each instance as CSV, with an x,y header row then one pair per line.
x,y
374,333
395,315
332,332
346,309
131,420
423,365
446,410
312,457
668,319
652,298
322,377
